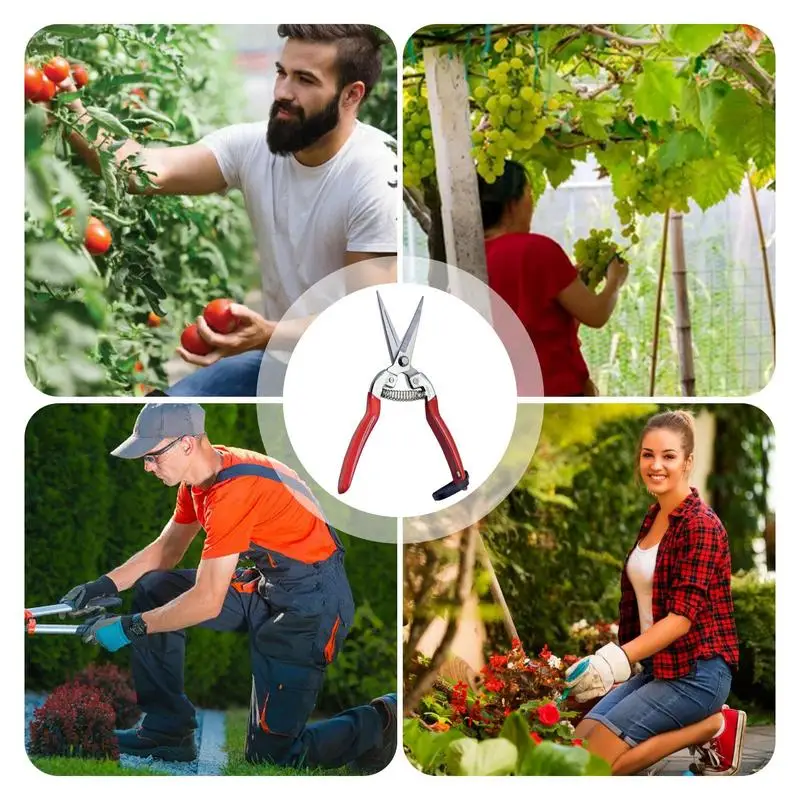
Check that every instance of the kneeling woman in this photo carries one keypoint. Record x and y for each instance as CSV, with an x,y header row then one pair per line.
x,y
676,618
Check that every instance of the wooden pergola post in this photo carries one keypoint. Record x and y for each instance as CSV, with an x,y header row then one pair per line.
x,y
448,101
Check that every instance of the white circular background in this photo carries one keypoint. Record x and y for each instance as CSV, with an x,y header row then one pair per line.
x,y
329,376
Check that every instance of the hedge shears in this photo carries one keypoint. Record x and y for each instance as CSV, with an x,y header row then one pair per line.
x,y
385,386
95,611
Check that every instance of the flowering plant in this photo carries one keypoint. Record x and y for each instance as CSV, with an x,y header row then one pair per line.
x,y
513,681
585,638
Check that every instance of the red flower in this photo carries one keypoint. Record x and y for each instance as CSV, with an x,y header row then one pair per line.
x,y
494,684
506,712
458,698
516,644
536,738
545,653
548,714
498,662
569,660
577,742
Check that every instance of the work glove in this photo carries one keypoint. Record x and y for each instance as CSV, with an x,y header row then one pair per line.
x,y
80,596
114,633
609,665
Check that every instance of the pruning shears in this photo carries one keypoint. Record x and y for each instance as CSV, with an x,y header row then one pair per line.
x,y
576,673
93,612
385,386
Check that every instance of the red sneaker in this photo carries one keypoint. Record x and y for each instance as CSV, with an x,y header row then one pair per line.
x,y
723,754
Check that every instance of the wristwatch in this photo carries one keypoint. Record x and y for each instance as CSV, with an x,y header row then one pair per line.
x,y
134,626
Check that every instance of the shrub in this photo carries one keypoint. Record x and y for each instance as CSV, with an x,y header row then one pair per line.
x,y
74,721
116,688
754,607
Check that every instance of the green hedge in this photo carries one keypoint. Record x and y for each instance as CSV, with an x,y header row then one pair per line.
x,y
754,605
86,512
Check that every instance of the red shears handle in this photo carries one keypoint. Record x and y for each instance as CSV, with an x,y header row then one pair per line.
x,y
447,443
358,441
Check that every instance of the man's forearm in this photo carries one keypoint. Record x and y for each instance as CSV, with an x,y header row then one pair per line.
x,y
190,608
150,558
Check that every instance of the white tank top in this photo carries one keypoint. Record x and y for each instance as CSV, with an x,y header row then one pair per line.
x,y
641,568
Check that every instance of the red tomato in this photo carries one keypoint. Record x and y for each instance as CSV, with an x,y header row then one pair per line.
x,y
192,341
47,92
57,69
33,82
80,75
139,92
153,320
138,366
98,237
219,316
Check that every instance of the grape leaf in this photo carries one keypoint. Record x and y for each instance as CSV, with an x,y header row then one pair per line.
x,y
560,171
682,146
746,128
595,116
714,178
710,98
689,105
694,39
552,82
657,90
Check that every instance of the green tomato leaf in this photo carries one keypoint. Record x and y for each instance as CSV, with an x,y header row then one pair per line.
x,y
694,39
657,90
107,120
35,119
490,757
55,263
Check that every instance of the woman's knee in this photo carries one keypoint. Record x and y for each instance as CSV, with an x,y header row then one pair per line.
x,y
605,743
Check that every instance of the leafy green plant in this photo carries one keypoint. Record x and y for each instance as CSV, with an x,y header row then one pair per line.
x,y
754,608
89,324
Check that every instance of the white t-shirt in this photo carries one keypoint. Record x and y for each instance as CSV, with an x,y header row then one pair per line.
x,y
641,568
306,218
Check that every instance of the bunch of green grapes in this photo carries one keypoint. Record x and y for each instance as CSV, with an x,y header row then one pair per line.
x,y
648,189
593,255
418,157
510,115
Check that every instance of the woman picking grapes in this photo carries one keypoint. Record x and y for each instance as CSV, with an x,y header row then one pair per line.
x,y
676,619
537,280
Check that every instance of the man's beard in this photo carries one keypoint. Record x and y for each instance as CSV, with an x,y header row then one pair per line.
x,y
285,136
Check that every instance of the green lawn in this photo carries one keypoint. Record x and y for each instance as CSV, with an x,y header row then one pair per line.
x,y
235,733
59,765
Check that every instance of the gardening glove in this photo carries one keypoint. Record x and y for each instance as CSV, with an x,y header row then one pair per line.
x,y
80,596
114,633
609,665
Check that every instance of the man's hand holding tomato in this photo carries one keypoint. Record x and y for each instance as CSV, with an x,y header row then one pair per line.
x,y
253,332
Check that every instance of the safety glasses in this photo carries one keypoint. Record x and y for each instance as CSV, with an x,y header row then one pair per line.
x,y
152,458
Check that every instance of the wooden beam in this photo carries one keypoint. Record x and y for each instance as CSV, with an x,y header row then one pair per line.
x,y
448,101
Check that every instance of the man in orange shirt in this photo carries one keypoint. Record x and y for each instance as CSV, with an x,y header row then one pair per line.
x,y
295,602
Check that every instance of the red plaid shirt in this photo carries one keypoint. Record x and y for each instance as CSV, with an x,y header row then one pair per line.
x,y
692,578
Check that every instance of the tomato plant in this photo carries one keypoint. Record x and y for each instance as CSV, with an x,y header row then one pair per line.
x,y
88,319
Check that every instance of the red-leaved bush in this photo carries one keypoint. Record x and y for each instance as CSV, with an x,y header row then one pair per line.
x,y
116,687
75,721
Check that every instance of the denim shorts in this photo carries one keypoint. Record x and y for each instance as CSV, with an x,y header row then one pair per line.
x,y
645,706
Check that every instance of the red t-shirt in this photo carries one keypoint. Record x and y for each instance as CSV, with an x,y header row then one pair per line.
x,y
255,510
529,271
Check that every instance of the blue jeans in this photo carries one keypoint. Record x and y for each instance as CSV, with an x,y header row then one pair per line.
x,y
645,706
235,376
